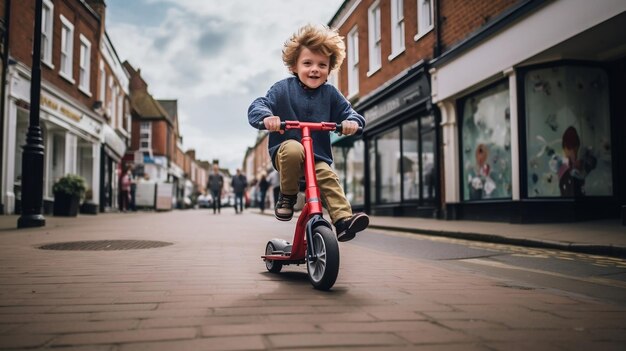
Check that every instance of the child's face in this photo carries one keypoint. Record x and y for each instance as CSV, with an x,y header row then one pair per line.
x,y
312,68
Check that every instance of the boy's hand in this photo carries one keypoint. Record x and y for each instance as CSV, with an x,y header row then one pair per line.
x,y
349,127
272,123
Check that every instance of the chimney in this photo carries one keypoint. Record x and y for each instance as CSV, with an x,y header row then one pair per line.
x,y
136,82
191,153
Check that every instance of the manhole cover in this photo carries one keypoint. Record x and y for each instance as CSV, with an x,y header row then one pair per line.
x,y
101,245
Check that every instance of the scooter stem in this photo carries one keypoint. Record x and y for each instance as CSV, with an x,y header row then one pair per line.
x,y
312,191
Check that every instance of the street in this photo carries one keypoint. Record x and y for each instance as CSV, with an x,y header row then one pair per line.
x,y
205,287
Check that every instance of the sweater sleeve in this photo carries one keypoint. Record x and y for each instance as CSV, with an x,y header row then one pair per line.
x,y
263,106
342,109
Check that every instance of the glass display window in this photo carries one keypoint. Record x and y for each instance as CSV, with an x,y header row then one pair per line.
x,y
355,172
486,144
568,133
410,161
389,159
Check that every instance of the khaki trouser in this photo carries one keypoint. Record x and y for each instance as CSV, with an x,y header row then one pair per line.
x,y
290,164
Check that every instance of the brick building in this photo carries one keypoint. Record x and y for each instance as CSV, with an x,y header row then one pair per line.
x,y
156,149
72,118
494,110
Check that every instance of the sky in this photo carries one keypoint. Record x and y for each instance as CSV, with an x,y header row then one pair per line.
x,y
214,56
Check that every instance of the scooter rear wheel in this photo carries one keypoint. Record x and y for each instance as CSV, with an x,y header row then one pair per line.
x,y
324,270
271,265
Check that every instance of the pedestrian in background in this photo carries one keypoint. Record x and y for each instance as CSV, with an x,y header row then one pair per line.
x,y
216,185
133,189
274,179
125,185
239,184
263,186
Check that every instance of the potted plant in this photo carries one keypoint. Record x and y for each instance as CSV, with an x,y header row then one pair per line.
x,y
68,192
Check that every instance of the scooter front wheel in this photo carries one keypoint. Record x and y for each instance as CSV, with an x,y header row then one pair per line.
x,y
323,270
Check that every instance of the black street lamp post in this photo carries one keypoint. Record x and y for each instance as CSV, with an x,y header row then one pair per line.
x,y
32,155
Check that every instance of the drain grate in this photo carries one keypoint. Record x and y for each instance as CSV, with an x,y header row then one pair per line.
x,y
105,245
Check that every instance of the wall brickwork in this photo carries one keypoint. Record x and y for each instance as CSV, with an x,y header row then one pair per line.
x,y
459,19
85,23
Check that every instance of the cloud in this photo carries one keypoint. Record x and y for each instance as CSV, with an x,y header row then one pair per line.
x,y
214,56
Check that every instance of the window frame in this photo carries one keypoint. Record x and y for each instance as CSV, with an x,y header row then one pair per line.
x,y
374,38
102,94
47,33
145,127
422,30
397,29
67,50
353,62
84,72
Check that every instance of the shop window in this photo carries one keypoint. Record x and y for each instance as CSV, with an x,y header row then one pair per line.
x,y
84,161
348,162
389,166
374,159
355,171
410,161
21,128
568,135
57,159
428,164
486,144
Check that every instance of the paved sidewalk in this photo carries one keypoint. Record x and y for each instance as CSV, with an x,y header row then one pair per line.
x,y
600,237
209,290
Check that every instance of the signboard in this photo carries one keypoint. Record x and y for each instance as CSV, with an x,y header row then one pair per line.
x,y
144,194
164,196
412,94
68,113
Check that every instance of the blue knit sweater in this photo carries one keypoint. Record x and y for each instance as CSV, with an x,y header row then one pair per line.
x,y
291,101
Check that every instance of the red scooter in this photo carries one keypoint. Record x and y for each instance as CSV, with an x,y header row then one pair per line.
x,y
314,242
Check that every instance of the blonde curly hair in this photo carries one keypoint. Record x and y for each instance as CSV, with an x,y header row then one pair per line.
x,y
320,39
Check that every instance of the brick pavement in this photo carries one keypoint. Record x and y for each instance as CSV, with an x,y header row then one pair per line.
x,y
210,291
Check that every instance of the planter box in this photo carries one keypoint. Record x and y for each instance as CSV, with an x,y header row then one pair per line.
x,y
65,205
89,208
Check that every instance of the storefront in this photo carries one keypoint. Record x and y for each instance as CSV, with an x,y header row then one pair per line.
x,y
531,138
71,136
113,149
393,168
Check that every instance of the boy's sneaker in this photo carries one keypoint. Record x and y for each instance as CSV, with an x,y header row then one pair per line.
x,y
348,227
284,207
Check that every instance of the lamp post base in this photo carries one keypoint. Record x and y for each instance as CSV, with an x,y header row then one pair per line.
x,y
31,221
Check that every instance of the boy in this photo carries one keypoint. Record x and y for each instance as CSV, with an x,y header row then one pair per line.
x,y
310,54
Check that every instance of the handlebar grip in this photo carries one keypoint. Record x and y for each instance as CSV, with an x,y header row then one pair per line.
x,y
339,129
261,125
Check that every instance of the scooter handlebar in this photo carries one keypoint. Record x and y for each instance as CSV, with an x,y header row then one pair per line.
x,y
283,126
